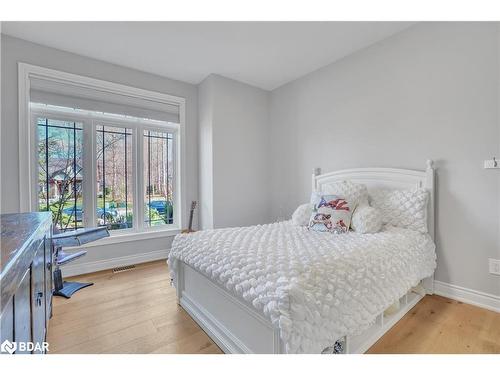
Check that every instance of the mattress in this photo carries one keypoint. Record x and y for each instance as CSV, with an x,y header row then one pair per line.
x,y
314,287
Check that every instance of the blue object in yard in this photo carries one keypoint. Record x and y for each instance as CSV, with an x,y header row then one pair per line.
x,y
70,211
163,208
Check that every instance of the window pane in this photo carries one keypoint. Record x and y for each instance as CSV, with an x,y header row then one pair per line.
x,y
158,178
114,177
60,172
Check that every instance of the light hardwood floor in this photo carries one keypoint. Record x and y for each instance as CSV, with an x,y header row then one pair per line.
x,y
136,312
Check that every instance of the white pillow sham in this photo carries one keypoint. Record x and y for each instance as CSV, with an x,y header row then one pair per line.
x,y
402,208
366,219
302,214
356,194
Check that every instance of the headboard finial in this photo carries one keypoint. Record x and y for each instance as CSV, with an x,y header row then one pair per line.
x,y
430,164
316,171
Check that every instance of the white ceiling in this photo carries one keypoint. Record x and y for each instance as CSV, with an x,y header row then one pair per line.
x,y
264,54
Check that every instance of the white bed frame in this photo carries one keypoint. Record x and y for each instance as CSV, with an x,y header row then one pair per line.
x,y
237,327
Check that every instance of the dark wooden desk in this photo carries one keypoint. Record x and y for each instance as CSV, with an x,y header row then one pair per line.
x,y
26,279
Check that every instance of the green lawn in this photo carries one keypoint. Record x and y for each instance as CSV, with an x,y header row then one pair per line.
x,y
156,218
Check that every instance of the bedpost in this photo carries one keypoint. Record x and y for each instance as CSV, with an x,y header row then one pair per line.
x,y
316,172
429,185
428,283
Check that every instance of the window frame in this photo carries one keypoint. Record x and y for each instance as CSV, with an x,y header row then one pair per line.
x,y
175,132
93,131
28,163
35,115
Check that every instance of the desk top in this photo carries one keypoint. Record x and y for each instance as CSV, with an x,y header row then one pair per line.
x,y
17,230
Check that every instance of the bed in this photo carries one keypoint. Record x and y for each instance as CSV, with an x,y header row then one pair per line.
x,y
280,288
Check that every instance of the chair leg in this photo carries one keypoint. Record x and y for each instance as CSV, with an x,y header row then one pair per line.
x,y
58,281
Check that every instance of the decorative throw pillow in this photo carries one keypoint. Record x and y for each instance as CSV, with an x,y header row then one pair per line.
x,y
366,219
402,208
356,194
302,214
331,213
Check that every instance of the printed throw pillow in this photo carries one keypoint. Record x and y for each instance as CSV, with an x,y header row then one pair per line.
x,y
366,219
331,213
302,214
402,208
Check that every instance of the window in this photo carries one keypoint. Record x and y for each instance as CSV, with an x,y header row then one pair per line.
x,y
114,177
60,171
158,167
89,173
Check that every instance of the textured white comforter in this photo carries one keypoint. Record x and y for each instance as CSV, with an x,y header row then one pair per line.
x,y
316,287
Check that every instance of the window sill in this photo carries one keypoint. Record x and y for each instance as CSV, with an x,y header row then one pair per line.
x,y
115,238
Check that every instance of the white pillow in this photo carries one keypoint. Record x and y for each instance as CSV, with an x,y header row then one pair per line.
x,y
356,194
302,214
402,208
330,213
366,219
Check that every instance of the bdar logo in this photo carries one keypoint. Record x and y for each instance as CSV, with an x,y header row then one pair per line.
x,y
8,347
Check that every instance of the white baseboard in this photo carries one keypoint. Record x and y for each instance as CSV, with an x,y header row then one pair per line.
x,y
470,296
106,264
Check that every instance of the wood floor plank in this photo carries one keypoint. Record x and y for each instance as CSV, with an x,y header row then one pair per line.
x,y
194,343
166,335
110,303
137,312
441,325
61,339
101,344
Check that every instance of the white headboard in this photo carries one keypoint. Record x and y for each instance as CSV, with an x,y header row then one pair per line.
x,y
391,178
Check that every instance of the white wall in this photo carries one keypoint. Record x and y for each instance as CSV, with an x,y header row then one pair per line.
x,y
498,119
234,146
15,50
0,112
430,92
205,147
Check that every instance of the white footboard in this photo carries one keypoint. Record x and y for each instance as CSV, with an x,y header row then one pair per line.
x,y
236,327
